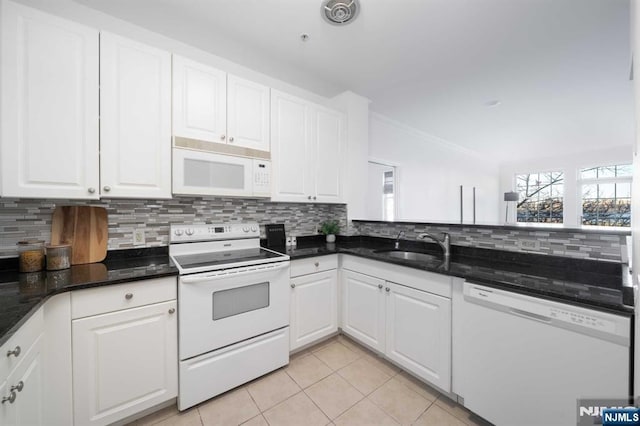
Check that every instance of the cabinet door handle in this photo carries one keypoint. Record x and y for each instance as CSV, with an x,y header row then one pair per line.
x,y
231,139
91,190
15,352
128,296
293,285
317,264
11,398
17,387
309,197
380,286
314,197
106,188
222,137
387,289
172,310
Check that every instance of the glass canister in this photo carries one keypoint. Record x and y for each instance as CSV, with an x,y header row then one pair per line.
x,y
58,257
30,255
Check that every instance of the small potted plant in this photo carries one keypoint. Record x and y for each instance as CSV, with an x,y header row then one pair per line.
x,y
330,228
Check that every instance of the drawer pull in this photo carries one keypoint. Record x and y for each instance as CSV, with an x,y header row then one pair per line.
x,y
293,286
18,387
172,310
15,352
387,289
317,264
11,398
380,286
128,296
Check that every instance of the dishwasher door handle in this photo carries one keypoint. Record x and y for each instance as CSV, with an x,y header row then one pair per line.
x,y
530,315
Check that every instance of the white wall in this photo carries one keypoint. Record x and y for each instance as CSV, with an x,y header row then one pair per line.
x,y
430,173
570,165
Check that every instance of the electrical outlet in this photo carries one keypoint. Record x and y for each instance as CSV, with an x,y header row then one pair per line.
x,y
529,244
138,237
294,241
289,241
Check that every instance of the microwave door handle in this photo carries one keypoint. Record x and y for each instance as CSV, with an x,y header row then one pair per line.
x,y
252,270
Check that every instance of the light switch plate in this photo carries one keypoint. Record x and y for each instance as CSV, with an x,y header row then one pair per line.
x,y
529,244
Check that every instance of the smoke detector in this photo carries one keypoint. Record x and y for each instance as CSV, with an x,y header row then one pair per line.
x,y
340,12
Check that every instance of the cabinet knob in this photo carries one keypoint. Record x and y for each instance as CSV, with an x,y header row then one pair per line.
x,y
314,197
231,139
17,387
15,352
222,137
317,264
106,188
128,296
380,286
91,190
387,289
172,310
11,398
293,285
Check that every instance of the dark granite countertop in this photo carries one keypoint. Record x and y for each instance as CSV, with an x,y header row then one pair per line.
x,y
22,294
587,283
599,285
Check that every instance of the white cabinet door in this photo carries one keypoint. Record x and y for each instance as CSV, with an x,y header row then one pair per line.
x,y
247,114
124,362
419,333
27,376
199,101
363,309
291,148
314,307
49,92
135,122
328,128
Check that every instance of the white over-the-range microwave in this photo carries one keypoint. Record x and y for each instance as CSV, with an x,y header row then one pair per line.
x,y
214,169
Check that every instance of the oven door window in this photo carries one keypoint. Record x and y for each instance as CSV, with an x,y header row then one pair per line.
x,y
236,301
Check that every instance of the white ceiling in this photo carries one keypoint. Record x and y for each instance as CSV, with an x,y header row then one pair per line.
x,y
559,67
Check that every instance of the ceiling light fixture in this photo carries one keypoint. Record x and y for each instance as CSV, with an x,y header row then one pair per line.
x,y
492,103
340,12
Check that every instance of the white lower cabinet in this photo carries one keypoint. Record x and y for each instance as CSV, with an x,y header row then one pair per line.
x,y
363,309
124,361
21,376
314,300
419,333
410,326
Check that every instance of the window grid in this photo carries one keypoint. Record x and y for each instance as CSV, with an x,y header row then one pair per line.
x,y
540,197
606,195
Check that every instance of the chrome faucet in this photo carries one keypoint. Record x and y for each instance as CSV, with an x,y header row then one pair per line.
x,y
444,243
397,243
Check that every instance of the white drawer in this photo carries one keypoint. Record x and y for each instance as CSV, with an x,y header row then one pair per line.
x,y
20,343
310,265
116,297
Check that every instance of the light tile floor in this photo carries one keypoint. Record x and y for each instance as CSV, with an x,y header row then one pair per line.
x,y
337,382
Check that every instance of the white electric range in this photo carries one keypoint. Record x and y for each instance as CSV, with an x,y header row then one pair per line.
x,y
233,298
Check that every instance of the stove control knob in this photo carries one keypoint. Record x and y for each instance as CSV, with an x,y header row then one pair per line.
x,y
178,232
245,228
189,232
254,228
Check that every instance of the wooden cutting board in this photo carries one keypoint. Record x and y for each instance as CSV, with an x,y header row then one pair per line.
x,y
85,228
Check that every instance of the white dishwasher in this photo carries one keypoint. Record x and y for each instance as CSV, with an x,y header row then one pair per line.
x,y
525,361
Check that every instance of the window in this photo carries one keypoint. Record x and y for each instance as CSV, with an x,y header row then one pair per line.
x,y
382,194
606,195
540,197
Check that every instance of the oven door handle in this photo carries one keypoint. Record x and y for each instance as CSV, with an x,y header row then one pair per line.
x,y
250,270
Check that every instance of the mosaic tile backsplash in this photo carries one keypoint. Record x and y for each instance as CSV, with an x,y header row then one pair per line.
x,y
29,218
558,243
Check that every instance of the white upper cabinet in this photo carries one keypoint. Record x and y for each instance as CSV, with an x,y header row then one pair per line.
x,y
199,101
211,106
247,114
135,122
328,155
290,148
49,132
306,143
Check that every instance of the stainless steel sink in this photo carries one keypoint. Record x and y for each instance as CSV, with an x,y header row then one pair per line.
x,y
410,255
